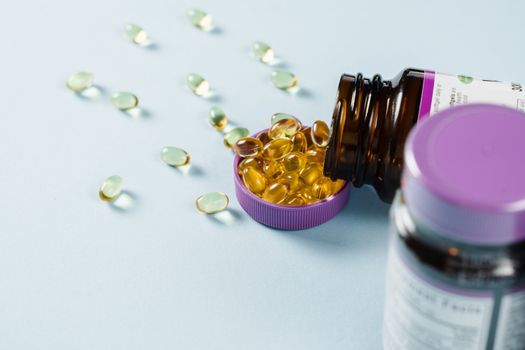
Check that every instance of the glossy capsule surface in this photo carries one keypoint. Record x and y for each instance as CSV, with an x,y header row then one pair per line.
x,y
217,118
174,156
311,173
249,163
213,202
200,19
277,149
136,33
273,169
300,144
80,81
279,116
248,147
197,84
111,188
284,128
283,79
294,162
320,133
234,135
254,180
263,52
275,193
124,100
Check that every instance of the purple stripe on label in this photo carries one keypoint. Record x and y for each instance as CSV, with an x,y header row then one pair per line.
x,y
426,95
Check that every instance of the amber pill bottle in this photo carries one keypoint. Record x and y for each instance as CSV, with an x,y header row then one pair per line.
x,y
372,119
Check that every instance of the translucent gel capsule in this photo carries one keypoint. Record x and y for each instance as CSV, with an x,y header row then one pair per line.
x,y
198,84
307,132
322,188
311,173
299,142
212,202
276,149
283,80
320,133
234,135
315,155
111,188
337,186
275,193
307,195
174,156
124,100
284,128
294,162
249,163
217,118
263,52
294,200
254,180
292,181
248,147
273,169
135,33
263,136
80,81
279,116
200,19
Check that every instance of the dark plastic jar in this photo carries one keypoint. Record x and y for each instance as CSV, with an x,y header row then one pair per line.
x,y
372,119
456,267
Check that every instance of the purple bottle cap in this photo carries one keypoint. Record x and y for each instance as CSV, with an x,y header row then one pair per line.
x,y
465,174
288,217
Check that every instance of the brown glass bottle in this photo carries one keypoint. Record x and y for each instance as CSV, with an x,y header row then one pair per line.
x,y
371,121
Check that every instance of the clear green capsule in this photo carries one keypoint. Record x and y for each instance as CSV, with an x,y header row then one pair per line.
x,y
200,19
234,135
135,33
280,116
263,52
217,118
124,100
80,81
174,156
111,188
197,84
212,202
283,79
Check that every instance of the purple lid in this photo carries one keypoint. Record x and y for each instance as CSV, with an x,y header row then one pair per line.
x,y
465,173
287,217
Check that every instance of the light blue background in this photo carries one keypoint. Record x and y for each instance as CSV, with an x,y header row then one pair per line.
x,y
76,273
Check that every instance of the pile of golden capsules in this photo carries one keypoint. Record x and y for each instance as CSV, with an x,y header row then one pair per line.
x,y
284,164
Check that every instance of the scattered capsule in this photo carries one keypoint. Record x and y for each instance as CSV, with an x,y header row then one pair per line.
x,y
111,188
284,128
322,188
124,100
80,81
254,180
273,169
200,19
320,133
249,163
294,162
217,118
299,142
248,147
276,149
263,136
315,155
174,156
275,193
311,173
292,181
279,116
136,34
198,84
283,80
212,202
234,135
263,52
294,200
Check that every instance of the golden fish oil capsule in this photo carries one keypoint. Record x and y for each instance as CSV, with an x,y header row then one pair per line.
x,y
315,155
279,116
124,100
80,81
292,181
311,173
320,133
337,185
273,169
294,200
248,147
174,156
307,132
212,202
322,188
200,19
284,128
111,188
283,80
299,142
294,162
254,180
275,193
263,52
198,84
263,136
217,118
307,195
234,135
136,34
249,163
276,149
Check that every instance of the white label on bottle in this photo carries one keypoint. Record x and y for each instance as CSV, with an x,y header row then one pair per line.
x,y
420,316
454,90
511,325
